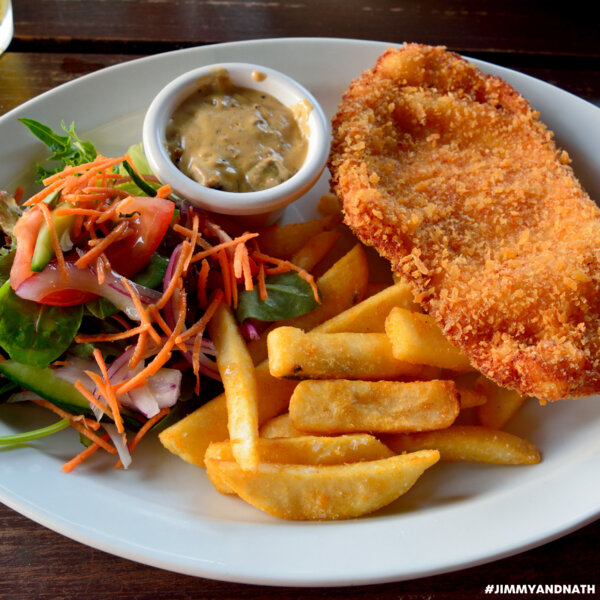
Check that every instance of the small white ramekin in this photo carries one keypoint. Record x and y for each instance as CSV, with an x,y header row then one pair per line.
x,y
264,202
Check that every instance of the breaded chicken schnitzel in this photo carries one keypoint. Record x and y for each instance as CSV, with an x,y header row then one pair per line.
x,y
450,175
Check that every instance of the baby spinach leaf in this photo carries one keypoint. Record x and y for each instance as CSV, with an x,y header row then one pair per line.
x,y
35,334
66,149
288,296
154,272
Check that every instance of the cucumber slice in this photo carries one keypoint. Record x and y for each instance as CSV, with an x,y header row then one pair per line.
x,y
63,394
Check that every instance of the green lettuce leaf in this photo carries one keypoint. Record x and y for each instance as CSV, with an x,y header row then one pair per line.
x,y
66,149
35,334
288,296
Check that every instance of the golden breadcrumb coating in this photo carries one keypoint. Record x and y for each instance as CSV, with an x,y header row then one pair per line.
x,y
449,174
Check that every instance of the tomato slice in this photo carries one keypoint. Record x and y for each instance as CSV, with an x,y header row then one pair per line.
x,y
130,255
67,298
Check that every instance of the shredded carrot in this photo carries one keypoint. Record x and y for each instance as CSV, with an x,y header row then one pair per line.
x,y
143,315
65,415
163,191
193,241
83,429
200,325
77,226
225,274
110,337
262,284
284,266
159,320
43,193
60,259
143,431
98,164
202,277
177,272
121,321
99,248
196,360
86,212
241,266
163,355
183,230
224,245
89,396
138,353
108,190
83,455
114,211
110,396
72,178
238,268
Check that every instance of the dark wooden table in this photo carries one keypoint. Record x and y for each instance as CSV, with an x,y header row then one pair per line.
x,y
59,40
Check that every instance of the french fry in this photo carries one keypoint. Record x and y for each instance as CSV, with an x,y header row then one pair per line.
x,y
344,406
324,492
304,450
239,382
190,437
417,338
329,204
341,287
369,315
374,287
469,443
470,398
279,427
501,405
284,241
310,450
298,355
315,249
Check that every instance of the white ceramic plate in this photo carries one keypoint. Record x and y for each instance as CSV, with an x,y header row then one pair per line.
x,y
163,512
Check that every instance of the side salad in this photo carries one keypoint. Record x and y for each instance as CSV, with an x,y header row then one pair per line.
x,y
108,282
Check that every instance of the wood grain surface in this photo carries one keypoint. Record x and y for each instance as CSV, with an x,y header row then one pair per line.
x,y
58,40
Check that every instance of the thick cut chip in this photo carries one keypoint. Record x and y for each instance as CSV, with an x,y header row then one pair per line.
x,y
298,355
315,250
450,174
284,241
311,450
239,382
280,427
501,403
304,492
344,406
304,450
470,398
469,443
369,315
417,338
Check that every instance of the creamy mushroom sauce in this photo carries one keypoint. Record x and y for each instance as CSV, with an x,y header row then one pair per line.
x,y
234,138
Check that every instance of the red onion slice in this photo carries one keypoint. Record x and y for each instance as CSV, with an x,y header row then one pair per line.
x,y
37,287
